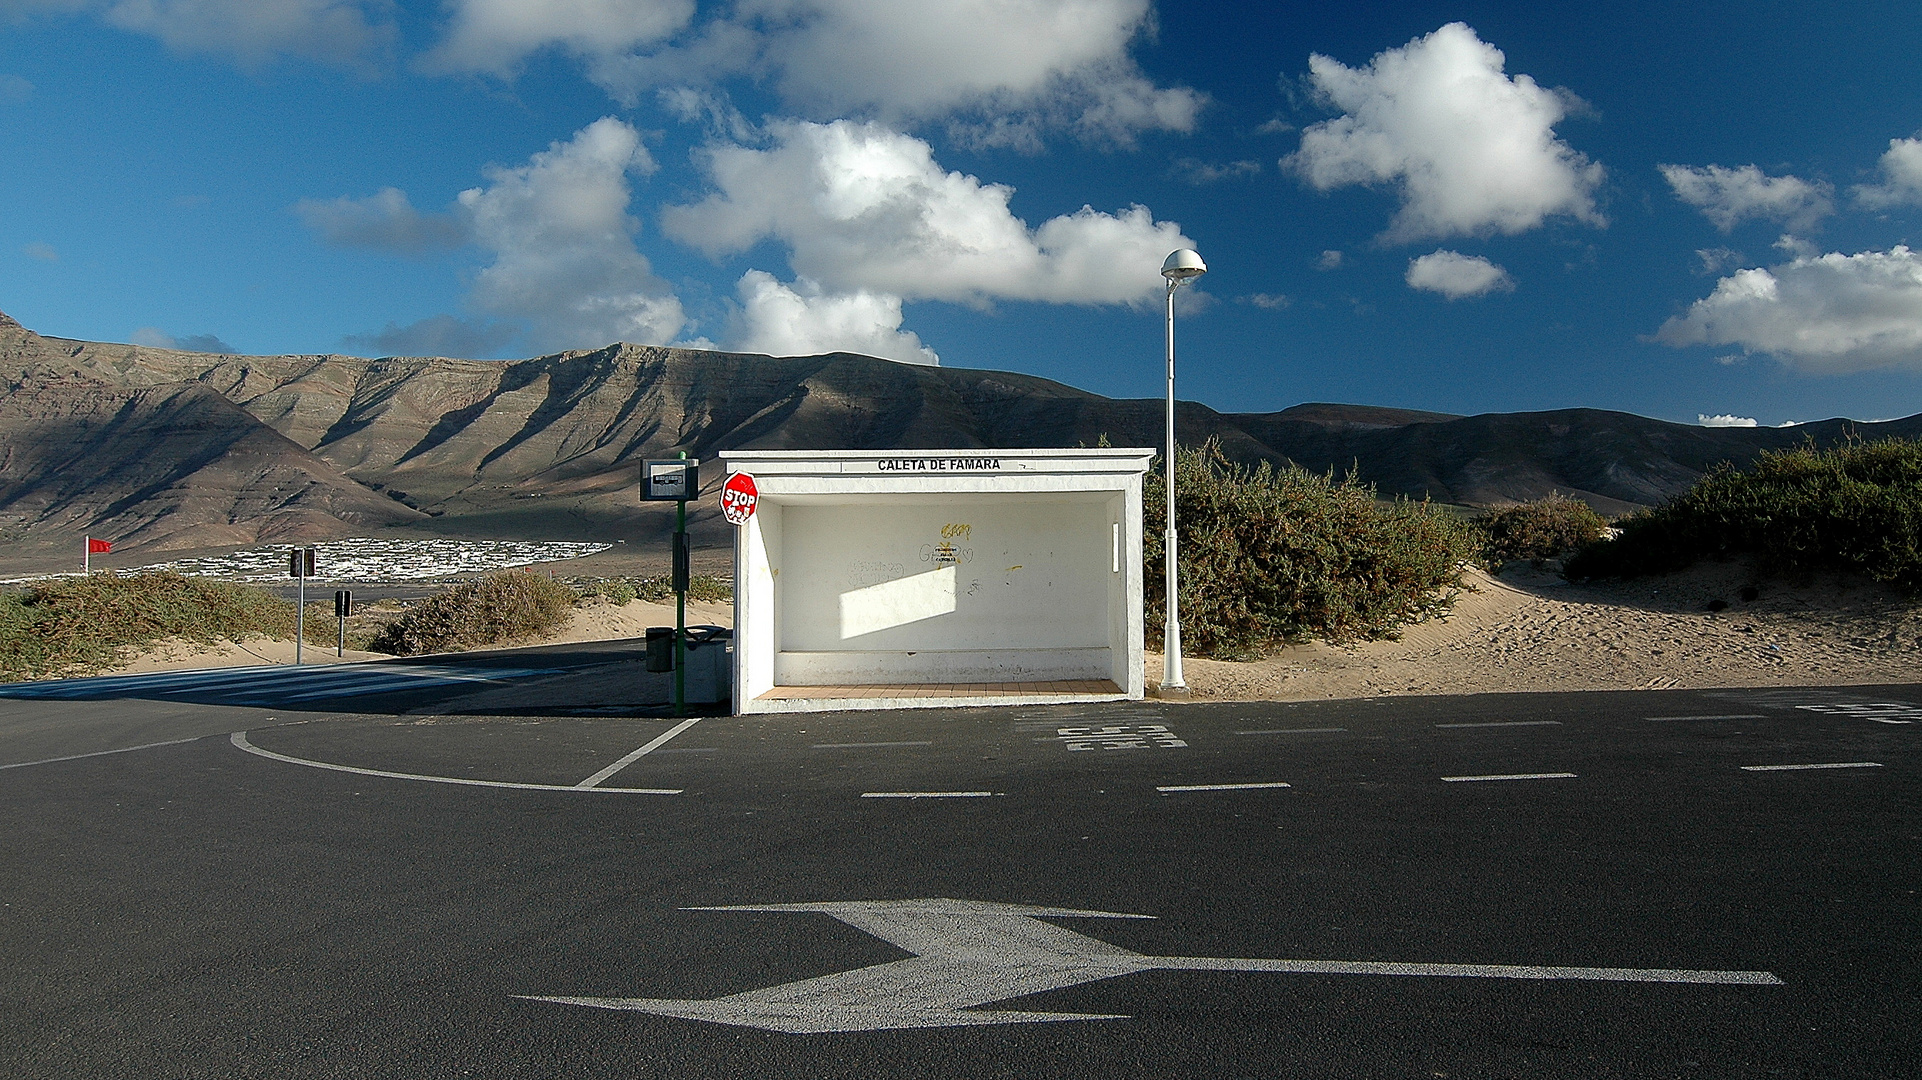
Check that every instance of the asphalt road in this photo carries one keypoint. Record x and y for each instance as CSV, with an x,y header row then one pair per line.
x,y
193,909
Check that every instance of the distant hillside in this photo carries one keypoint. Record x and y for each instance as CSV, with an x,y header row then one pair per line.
x,y
174,449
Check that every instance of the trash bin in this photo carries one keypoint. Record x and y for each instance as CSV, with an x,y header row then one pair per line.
x,y
710,661
710,665
660,648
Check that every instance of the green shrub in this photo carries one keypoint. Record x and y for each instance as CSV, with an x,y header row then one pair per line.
x,y
499,609
709,589
77,625
1854,508
1277,555
659,590
1542,529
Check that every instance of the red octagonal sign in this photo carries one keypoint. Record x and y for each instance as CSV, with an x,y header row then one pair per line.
x,y
738,497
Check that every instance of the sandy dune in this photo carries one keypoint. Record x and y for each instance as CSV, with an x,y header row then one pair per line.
x,y
1527,630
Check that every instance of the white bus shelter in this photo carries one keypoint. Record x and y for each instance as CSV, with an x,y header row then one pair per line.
x,y
902,578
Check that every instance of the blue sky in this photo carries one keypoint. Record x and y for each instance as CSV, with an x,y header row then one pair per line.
x,y
1684,211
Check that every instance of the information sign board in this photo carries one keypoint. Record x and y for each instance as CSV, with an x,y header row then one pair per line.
x,y
675,479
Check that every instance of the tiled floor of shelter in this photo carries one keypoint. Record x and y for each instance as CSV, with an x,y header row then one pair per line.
x,y
941,690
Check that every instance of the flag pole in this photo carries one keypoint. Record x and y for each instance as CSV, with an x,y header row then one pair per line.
x,y
86,555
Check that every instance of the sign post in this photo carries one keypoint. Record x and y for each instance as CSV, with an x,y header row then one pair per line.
x,y
678,479
300,564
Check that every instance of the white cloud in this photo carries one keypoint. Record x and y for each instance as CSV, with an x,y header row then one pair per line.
x,y
40,249
1005,70
255,31
1269,301
492,36
565,259
1330,260
803,320
1832,314
1472,150
1901,177
866,208
14,89
1716,260
1728,196
1796,247
1724,420
1455,275
19,10
155,338
437,335
385,221
1196,171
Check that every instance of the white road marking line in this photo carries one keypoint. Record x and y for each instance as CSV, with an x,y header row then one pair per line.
x,y
1507,723
928,794
1824,765
1475,971
1294,731
1729,716
865,745
102,753
239,739
1511,776
1219,787
654,744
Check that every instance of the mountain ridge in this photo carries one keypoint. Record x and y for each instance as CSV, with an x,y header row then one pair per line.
x,y
170,449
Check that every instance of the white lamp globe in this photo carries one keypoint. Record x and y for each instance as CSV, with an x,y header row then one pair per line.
x,y
1183,265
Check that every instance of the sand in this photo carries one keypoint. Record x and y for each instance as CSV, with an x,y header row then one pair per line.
x,y
596,622
1522,630
1528,630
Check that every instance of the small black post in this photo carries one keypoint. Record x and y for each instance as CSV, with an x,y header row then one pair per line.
x,y
343,607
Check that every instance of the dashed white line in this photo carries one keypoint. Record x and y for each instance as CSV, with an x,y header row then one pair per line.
x,y
1294,731
928,794
1510,776
1727,716
1507,723
1218,787
239,739
865,745
1822,765
595,780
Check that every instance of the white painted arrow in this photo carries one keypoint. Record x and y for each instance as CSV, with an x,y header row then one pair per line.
x,y
969,953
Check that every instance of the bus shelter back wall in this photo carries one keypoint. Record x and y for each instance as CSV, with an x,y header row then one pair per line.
x,y
967,574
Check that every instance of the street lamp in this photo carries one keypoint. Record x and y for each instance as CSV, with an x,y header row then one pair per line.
x,y
1181,266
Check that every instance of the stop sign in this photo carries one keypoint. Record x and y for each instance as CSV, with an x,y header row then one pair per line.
x,y
738,496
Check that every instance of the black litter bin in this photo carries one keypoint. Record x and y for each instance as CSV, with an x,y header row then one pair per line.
x,y
660,648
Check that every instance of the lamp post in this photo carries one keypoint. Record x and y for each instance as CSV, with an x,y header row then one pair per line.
x,y
1181,266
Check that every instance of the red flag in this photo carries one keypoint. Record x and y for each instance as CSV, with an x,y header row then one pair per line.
x,y
98,547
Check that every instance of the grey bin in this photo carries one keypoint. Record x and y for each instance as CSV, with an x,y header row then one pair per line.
x,y
710,661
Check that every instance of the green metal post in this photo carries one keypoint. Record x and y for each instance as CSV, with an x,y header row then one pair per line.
x,y
680,612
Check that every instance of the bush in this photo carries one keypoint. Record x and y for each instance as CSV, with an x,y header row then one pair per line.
x,y
499,609
78,625
654,590
1542,529
1854,508
1270,556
